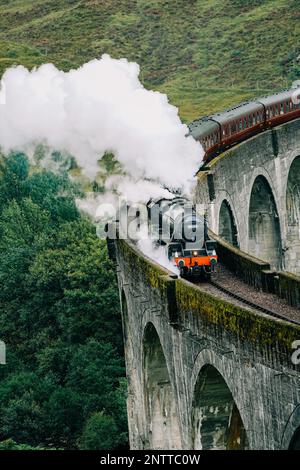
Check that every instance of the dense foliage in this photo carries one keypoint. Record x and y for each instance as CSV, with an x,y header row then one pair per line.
x,y
59,317
206,54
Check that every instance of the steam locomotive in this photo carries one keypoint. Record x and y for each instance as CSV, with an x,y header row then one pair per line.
x,y
176,225
221,131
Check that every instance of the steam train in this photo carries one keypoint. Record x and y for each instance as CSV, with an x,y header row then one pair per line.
x,y
176,225
221,131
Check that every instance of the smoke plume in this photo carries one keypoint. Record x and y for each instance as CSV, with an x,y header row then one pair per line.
x,y
100,107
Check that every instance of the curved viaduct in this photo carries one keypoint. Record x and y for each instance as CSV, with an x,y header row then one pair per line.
x,y
205,373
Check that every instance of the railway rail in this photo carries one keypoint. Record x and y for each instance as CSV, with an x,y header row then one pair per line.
x,y
252,304
228,286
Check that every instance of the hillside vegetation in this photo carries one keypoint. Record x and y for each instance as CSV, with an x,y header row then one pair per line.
x,y
206,54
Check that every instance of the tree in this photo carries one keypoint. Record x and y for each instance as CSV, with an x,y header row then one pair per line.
x,y
100,433
59,315
64,412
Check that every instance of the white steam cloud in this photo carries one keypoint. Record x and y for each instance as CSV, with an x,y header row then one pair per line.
x,y
100,107
157,254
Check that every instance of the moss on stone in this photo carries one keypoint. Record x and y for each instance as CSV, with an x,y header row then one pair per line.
x,y
155,275
185,298
238,321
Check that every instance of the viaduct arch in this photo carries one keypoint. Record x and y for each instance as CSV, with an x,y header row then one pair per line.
x,y
161,412
227,225
264,236
216,420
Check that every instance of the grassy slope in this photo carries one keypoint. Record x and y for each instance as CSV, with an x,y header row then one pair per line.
x,y
206,54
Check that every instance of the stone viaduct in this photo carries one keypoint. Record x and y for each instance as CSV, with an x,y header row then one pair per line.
x,y
204,373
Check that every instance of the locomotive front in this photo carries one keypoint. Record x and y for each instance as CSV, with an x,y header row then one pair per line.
x,y
177,225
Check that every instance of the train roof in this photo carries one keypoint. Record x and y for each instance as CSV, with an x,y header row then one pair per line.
x,y
276,98
209,124
202,127
237,112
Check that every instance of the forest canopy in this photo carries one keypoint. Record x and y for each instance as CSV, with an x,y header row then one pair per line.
x,y
63,385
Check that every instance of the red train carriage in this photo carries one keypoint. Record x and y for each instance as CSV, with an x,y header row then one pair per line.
x,y
220,131
239,123
207,132
280,108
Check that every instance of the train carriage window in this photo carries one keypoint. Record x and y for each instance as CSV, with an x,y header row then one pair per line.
x,y
245,123
291,105
250,120
240,124
267,113
233,128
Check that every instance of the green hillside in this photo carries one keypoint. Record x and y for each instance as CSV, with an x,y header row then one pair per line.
x,y
205,54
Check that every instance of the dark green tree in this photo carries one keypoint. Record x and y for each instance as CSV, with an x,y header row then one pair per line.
x,y
100,433
59,316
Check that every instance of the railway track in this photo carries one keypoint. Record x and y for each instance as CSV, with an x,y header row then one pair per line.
x,y
251,304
